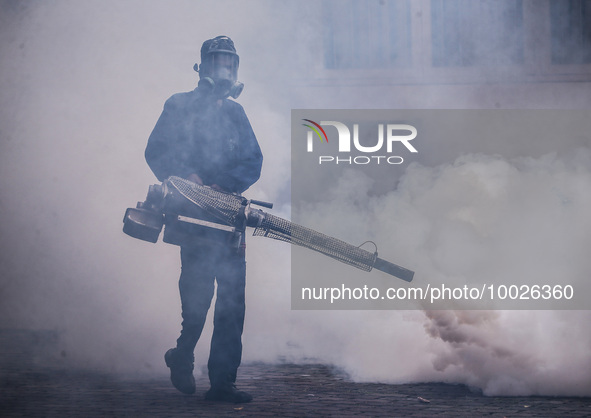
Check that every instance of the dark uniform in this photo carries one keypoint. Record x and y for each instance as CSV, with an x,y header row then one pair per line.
x,y
211,137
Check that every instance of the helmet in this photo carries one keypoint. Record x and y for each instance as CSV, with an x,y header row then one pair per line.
x,y
218,71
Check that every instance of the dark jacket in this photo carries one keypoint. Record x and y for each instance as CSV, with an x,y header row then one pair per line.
x,y
196,135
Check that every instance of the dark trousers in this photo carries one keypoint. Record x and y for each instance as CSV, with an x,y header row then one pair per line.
x,y
201,266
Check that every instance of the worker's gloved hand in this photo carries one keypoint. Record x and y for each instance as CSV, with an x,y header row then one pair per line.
x,y
195,178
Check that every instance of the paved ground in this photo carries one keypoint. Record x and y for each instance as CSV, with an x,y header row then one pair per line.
x,y
27,389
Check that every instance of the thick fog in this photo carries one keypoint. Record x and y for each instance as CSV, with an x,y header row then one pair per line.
x,y
82,84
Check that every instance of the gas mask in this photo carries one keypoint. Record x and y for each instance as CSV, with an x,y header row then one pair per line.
x,y
218,71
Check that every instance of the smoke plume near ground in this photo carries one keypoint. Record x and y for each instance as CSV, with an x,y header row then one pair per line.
x,y
82,86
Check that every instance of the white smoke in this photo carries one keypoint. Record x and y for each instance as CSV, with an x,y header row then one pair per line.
x,y
508,220
82,84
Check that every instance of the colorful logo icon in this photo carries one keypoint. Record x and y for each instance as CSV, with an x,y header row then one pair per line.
x,y
316,130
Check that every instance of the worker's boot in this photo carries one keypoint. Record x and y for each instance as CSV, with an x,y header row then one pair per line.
x,y
181,370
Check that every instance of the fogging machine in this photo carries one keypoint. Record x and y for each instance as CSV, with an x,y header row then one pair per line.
x,y
191,213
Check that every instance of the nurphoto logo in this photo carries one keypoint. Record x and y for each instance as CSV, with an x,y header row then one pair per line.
x,y
390,135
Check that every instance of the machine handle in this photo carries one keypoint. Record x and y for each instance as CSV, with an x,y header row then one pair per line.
x,y
261,203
